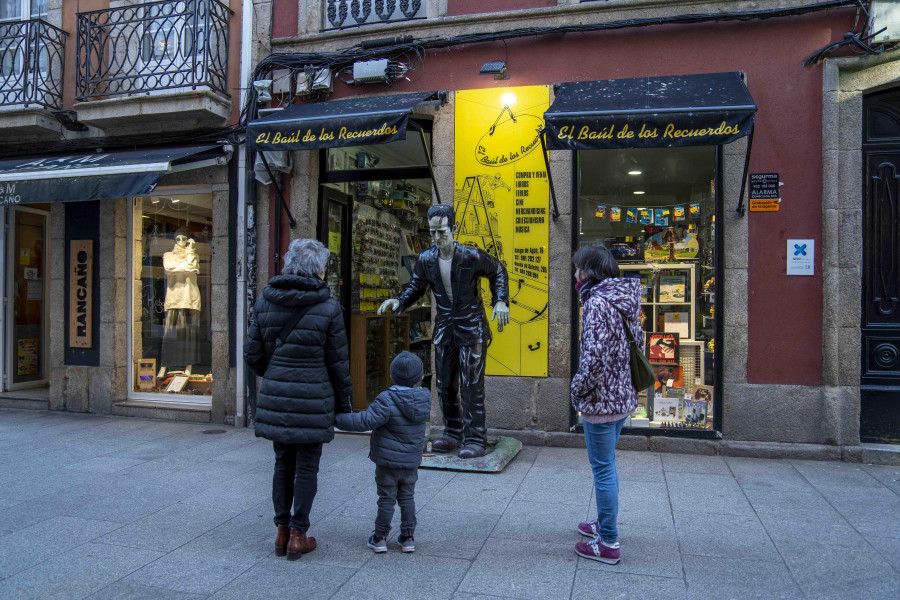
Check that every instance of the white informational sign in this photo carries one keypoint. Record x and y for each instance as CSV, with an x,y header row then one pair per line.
x,y
800,257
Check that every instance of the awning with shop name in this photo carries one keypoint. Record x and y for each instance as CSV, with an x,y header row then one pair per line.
x,y
99,175
337,123
650,112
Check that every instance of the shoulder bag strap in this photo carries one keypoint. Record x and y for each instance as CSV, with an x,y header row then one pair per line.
x,y
288,328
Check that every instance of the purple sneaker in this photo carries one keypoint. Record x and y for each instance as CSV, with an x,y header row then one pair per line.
x,y
590,529
597,550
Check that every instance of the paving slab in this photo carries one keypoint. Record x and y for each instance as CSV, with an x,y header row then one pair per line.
x,y
486,495
502,569
32,545
888,475
129,591
275,577
169,528
565,487
452,534
835,474
706,493
690,463
597,583
772,474
645,551
738,579
396,576
554,523
77,573
840,572
724,536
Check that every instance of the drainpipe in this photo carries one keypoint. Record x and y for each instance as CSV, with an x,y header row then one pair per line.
x,y
240,412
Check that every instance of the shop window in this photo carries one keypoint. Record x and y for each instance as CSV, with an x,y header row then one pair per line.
x,y
172,330
374,205
656,210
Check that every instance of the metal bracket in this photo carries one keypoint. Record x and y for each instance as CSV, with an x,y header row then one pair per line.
x,y
740,207
284,204
418,127
546,154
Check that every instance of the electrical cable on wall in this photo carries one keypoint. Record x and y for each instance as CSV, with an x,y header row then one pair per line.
x,y
394,48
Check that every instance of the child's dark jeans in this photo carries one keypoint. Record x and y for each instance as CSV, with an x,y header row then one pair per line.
x,y
396,485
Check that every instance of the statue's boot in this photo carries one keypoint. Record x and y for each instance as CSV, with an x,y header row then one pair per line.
x,y
444,444
471,451
281,540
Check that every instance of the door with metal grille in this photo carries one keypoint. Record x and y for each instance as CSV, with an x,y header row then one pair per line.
x,y
880,327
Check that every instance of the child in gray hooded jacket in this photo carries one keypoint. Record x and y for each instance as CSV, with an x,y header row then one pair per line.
x,y
397,419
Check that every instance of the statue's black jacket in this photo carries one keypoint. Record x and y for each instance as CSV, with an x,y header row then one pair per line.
x,y
307,379
462,322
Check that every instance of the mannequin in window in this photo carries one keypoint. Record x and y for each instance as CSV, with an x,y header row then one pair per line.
x,y
181,329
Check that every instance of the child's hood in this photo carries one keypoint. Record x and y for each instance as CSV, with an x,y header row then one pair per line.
x,y
413,403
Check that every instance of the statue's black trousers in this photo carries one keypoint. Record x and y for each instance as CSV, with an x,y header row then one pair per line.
x,y
460,381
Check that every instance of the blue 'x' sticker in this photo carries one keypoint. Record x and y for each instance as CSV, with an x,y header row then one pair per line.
x,y
799,250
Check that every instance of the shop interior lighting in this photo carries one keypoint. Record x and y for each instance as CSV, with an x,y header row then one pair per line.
x,y
639,192
174,200
635,172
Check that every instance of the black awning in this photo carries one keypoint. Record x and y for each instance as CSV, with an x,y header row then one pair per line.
x,y
650,112
375,120
98,175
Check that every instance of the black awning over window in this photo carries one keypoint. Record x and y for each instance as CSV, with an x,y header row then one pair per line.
x,y
98,175
650,112
354,122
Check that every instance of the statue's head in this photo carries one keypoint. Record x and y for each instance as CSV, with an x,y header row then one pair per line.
x,y
442,224
181,237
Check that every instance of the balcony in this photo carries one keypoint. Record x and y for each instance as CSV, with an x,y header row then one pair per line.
x,y
344,14
150,66
32,59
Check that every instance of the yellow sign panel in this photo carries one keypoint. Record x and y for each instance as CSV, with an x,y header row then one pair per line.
x,y
502,199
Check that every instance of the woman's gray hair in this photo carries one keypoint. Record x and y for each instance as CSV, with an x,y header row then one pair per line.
x,y
305,257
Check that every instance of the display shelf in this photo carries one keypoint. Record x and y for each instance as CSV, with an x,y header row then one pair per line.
x,y
374,341
659,279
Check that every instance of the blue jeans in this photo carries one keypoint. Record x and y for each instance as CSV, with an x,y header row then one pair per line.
x,y
601,448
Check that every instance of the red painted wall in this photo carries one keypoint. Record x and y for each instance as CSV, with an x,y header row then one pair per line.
x,y
785,313
285,14
472,7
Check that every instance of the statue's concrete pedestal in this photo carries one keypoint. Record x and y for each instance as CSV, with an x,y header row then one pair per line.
x,y
499,452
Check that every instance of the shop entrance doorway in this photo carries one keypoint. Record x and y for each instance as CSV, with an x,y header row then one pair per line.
x,y
880,327
25,315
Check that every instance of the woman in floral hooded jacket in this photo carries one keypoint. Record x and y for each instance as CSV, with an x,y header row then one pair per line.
x,y
602,389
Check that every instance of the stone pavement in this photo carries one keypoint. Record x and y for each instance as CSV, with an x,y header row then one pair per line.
x,y
100,507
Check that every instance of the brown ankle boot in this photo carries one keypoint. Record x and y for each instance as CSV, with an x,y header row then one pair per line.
x,y
299,544
281,540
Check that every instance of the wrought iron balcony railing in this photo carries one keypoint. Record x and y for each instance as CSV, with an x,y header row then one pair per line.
x,y
32,58
139,49
342,14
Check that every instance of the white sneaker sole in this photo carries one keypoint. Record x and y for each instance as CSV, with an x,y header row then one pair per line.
x,y
377,549
607,561
408,550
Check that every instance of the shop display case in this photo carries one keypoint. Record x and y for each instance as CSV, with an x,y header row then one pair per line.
x,y
374,342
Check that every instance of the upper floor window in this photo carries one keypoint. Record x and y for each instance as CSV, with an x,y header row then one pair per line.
x,y
15,10
342,14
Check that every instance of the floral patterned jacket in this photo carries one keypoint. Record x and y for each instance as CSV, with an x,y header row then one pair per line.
x,y
603,385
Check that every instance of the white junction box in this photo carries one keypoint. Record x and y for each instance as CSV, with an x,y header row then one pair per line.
x,y
311,79
371,71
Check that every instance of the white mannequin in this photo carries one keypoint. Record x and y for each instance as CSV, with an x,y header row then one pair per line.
x,y
182,267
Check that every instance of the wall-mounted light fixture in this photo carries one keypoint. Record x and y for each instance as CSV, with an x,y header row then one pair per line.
x,y
497,68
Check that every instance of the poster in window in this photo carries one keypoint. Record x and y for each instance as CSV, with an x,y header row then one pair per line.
x,y
671,288
693,413
600,212
27,356
668,376
678,213
695,210
615,214
662,348
646,216
631,215
661,217
666,409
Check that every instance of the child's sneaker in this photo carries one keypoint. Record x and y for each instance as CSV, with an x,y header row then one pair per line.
x,y
597,550
377,544
407,544
590,529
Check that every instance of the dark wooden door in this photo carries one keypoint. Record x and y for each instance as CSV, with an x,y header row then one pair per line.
x,y
880,327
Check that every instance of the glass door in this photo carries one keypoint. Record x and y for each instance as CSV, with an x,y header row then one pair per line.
x,y
26,293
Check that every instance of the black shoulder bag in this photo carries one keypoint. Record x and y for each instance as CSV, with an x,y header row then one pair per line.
x,y
642,373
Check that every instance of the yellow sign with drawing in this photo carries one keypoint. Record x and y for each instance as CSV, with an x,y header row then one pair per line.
x,y
502,199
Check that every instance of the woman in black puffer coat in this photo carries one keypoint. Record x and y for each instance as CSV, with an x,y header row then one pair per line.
x,y
305,382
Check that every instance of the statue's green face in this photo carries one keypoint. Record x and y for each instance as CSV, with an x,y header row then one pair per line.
x,y
441,234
